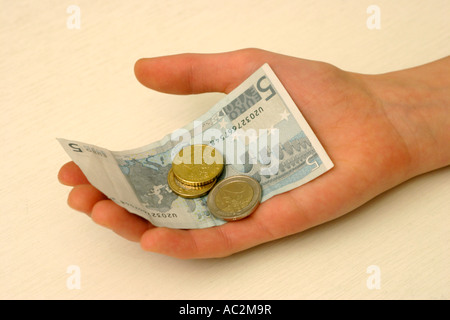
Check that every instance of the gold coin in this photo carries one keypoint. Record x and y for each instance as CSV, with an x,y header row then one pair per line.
x,y
234,198
197,165
186,191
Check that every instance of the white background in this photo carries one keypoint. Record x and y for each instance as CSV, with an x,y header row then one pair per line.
x,y
79,84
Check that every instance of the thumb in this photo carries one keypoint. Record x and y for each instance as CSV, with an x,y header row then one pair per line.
x,y
198,73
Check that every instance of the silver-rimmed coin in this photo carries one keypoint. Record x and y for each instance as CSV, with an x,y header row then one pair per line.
x,y
234,198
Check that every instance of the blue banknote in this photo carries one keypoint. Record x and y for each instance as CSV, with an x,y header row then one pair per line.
x,y
258,130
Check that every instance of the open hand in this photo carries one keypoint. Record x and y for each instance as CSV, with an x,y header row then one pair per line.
x,y
359,119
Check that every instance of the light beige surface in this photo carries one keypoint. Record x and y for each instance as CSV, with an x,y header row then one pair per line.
x,y
79,84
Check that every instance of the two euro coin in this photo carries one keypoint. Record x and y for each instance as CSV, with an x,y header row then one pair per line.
x,y
234,198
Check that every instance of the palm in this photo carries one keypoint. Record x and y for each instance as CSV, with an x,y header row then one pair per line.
x,y
346,118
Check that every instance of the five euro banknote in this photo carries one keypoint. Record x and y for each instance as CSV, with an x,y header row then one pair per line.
x,y
257,128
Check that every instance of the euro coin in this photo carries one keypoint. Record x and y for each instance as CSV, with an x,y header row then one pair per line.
x,y
186,191
234,198
197,165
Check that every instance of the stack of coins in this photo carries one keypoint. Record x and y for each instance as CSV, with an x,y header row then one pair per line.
x,y
195,170
194,173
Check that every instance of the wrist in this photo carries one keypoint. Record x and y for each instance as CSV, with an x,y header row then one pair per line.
x,y
417,103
